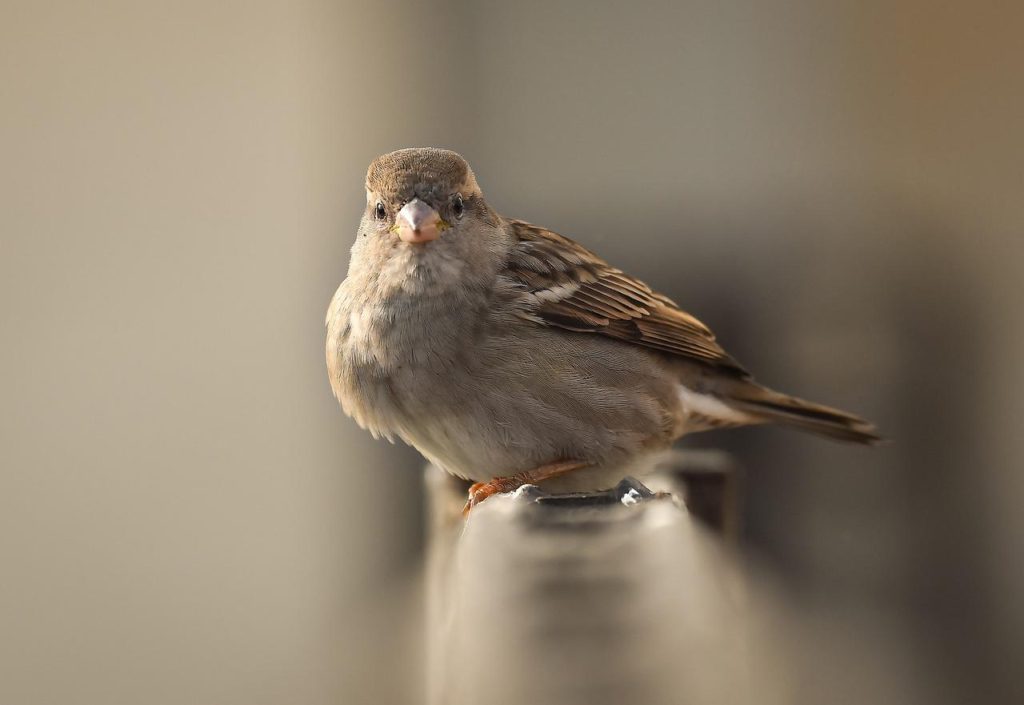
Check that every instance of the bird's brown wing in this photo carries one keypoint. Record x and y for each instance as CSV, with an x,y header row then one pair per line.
x,y
567,286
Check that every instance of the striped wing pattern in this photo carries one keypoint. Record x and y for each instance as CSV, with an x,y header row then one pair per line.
x,y
569,287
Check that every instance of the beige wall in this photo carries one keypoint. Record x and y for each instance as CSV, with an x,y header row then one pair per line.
x,y
186,517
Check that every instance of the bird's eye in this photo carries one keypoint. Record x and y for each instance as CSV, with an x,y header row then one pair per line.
x,y
380,213
458,207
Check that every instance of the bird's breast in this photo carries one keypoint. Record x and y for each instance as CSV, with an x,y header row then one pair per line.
x,y
385,356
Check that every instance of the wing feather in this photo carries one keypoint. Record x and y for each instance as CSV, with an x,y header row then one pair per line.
x,y
567,286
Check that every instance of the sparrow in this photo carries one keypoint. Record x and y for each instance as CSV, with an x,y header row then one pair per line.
x,y
508,354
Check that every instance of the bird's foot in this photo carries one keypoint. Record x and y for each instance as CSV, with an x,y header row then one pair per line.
x,y
480,491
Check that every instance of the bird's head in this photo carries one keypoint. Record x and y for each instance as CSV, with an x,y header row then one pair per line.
x,y
425,213
418,194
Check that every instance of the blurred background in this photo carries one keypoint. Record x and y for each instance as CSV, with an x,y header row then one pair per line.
x,y
187,517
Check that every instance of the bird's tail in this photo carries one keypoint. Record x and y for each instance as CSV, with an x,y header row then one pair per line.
x,y
765,405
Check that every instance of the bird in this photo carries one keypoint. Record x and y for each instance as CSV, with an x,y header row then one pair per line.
x,y
508,354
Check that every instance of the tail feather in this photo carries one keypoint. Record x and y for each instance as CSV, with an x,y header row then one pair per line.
x,y
768,406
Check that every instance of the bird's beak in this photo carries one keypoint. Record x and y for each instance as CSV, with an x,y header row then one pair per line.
x,y
419,223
